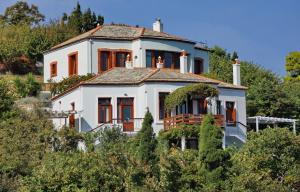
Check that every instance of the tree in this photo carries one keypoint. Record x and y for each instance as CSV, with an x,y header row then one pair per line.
x,y
22,13
6,98
268,161
82,22
147,141
292,65
24,139
213,159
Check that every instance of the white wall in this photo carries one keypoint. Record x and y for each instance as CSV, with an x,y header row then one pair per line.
x,y
64,104
88,54
61,56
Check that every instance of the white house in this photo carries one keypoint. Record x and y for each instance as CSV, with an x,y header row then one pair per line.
x,y
136,68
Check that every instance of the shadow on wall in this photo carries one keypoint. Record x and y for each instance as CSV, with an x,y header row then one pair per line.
x,y
85,127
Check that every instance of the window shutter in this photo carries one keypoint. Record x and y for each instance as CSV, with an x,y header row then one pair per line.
x,y
234,115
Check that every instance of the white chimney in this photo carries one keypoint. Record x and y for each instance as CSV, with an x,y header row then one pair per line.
x,y
159,63
128,63
157,25
236,72
183,62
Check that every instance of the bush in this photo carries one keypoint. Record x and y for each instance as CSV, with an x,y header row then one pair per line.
x,y
28,88
66,83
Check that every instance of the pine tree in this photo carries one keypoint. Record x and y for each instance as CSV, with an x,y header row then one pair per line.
x,y
213,159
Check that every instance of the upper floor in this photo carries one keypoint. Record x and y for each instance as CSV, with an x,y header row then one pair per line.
x,y
111,46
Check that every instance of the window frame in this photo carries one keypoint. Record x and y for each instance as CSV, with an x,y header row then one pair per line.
x,y
109,105
159,106
70,55
112,57
161,53
53,65
230,116
201,68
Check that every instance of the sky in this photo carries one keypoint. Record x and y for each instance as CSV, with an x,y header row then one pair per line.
x,y
261,31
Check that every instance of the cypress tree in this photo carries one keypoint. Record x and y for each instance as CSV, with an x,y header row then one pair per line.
x,y
213,159
147,142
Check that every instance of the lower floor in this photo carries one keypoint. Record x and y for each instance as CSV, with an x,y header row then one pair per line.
x,y
94,107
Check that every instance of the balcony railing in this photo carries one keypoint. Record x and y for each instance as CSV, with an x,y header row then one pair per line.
x,y
190,119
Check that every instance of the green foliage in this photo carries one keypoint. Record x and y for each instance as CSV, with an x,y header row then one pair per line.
x,y
22,13
147,141
178,132
28,88
178,96
82,22
269,161
263,94
24,139
179,171
66,83
214,161
6,98
23,44
292,65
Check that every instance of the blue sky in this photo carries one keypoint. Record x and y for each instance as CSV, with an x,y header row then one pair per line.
x,y
261,31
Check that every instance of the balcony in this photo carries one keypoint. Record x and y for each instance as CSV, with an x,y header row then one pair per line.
x,y
190,119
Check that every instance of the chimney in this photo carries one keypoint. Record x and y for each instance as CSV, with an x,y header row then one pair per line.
x,y
183,62
157,25
236,72
159,63
128,63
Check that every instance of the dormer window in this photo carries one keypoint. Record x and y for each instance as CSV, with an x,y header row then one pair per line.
x,y
171,60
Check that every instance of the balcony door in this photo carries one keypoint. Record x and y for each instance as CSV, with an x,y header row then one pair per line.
x,y
126,113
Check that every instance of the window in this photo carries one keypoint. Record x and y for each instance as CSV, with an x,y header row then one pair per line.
x,y
148,59
53,69
161,100
230,113
170,59
104,110
108,58
121,58
198,66
104,58
202,106
73,63
219,110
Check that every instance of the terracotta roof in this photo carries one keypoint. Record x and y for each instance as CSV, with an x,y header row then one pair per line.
x,y
124,76
118,32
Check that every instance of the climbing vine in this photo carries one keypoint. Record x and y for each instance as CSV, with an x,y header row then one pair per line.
x,y
178,132
178,96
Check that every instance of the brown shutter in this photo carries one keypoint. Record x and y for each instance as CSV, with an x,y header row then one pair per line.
x,y
234,115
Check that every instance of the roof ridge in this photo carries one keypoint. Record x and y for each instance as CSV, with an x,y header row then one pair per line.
x,y
148,76
96,29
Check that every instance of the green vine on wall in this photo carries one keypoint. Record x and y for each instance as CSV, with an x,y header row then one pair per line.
x,y
178,96
178,132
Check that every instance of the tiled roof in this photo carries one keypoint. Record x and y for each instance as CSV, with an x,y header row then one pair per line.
x,y
124,76
121,75
121,33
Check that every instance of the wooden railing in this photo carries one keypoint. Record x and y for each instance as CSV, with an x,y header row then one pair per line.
x,y
190,119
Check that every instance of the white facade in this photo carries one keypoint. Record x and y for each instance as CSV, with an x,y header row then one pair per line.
x,y
88,54
145,94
